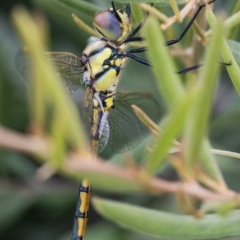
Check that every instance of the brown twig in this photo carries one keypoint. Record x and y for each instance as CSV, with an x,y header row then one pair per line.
x,y
153,184
31,144
80,163
183,13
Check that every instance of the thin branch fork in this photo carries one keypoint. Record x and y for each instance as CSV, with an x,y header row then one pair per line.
x,y
150,183
78,163
183,13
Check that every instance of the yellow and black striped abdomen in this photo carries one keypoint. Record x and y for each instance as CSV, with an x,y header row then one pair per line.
x,y
81,213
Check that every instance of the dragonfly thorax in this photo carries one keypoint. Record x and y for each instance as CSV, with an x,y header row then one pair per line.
x,y
103,63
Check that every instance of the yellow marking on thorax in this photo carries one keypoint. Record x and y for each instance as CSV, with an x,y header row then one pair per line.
x,y
106,81
96,61
119,62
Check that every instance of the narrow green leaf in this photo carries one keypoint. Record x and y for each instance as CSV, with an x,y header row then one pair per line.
x,y
227,56
233,57
233,69
168,225
172,127
196,129
52,94
236,10
168,81
232,22
230,25
235,48
137,13
209,163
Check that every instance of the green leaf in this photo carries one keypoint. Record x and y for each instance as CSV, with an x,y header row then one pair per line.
x,y
234,31
235,48
48,92
228,57
170,130
209,163
168,225
196,129
168,82
233,69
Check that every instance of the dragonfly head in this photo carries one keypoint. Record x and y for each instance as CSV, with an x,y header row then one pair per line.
x,y
114,24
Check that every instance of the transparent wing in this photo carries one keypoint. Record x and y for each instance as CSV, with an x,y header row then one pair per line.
x,y
126,130
69,65
104,132
122,130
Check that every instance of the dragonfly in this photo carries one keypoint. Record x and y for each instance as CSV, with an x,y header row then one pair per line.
x,y
101,64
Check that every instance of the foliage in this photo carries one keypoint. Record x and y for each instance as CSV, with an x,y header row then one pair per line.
x,y
39,122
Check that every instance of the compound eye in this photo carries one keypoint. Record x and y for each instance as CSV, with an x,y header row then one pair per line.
x,y
107,25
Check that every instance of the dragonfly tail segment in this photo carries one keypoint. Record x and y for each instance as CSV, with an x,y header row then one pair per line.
x,y
81,213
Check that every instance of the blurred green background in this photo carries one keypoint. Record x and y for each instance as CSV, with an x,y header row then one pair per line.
x,y
32,209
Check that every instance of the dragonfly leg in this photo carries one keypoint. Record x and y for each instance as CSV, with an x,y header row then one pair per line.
x,y
194,67
185,30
